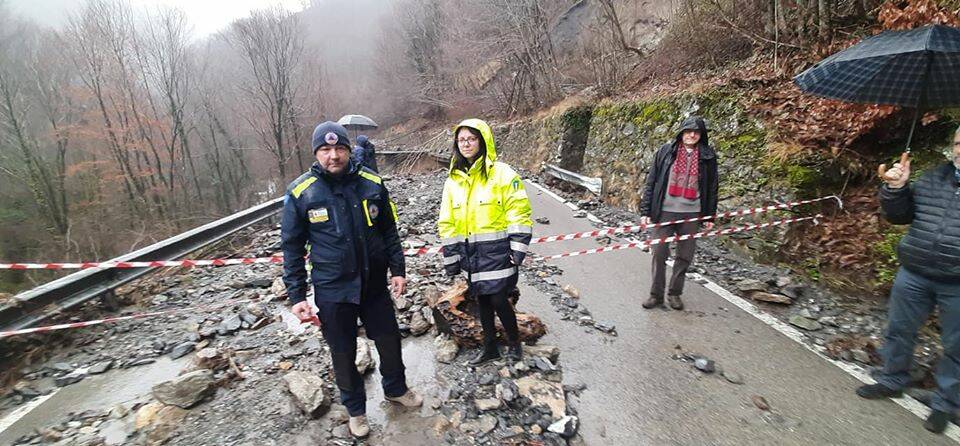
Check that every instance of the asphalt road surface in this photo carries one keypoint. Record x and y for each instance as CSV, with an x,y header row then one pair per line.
x,y
637,394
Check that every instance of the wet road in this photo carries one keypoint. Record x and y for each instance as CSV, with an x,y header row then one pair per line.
x,y
637,394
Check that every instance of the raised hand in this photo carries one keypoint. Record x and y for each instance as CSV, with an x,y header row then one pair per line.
x,y
898,175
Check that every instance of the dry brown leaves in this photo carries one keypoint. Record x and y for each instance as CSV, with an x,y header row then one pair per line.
x,y
843,242
915,13
814,122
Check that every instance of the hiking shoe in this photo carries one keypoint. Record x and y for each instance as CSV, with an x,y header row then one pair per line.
x,y
937,421
877,391
514,353
409,399
486,355
675,302
359,427
653,302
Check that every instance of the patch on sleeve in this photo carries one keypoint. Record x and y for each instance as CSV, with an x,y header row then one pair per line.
x,y
318,215
516,184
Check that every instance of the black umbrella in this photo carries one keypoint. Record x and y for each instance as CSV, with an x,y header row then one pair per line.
x,y
917,68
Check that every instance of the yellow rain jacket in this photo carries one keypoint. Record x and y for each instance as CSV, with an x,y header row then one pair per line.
x,y
485,224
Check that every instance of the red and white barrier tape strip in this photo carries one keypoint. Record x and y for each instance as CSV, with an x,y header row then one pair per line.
x,y
680,237
4,334
151,264
638,228
408,252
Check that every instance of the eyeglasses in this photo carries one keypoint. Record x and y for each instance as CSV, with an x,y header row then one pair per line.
x,y
467,140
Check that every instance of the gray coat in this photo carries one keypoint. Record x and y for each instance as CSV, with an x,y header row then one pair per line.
x,y
931,207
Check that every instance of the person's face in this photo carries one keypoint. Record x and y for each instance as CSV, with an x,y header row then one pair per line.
x,y
956,149
333,159
691,137
468,144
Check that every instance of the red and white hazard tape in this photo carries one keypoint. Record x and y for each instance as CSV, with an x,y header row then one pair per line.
x,y
408,252
277,259
680,237
638,228
4,334
152,264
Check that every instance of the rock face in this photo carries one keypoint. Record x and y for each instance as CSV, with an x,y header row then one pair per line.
x,y
458,316
185,391
308,392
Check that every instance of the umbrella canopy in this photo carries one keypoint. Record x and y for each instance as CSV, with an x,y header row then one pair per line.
x,y
915,68
357,122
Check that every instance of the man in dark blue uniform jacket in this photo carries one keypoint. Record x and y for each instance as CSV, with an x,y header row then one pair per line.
x,y
341,215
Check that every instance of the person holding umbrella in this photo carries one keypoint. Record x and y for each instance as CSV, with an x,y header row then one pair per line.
x,y
929,276
485,228
916,68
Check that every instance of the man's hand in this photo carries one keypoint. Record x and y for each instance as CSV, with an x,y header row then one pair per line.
x,y
644,221
898,175
302,310
399,285
708,225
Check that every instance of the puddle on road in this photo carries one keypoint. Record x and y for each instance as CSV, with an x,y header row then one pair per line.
x,y
396,424
97,392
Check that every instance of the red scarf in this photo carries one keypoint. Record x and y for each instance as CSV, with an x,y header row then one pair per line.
x,y
684,178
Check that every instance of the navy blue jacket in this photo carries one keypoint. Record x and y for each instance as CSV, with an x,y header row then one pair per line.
x,y
350,224
931,206
365,153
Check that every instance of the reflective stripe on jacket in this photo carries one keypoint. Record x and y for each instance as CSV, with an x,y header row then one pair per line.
x,y
485,224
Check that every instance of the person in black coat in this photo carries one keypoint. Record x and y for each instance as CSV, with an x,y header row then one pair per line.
x,y
682,184
929,276
344,214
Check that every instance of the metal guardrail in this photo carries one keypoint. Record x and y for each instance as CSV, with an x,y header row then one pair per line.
x,y
64,293
594,185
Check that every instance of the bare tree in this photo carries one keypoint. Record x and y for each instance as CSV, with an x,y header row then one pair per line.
x,y
29,165
271,43
170,73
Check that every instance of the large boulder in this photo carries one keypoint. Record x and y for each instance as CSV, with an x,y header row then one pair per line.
x,y
185,391
308,392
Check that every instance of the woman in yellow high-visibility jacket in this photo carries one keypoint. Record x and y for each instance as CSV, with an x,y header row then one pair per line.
x,y
485,229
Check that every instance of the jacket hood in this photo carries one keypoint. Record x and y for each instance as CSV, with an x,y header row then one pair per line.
x,y
486,132
364,141
693,123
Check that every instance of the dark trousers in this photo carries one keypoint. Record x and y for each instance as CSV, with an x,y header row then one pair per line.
x,y
685,251
339,327
911,301
498,303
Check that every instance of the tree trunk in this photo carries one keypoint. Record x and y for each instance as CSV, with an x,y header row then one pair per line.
x,y
825,16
